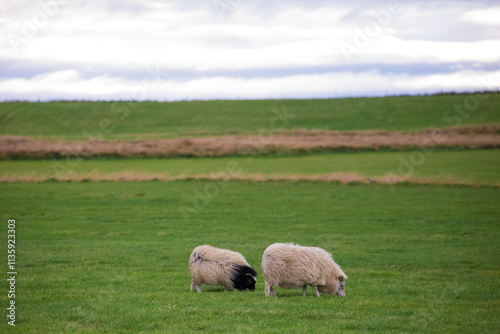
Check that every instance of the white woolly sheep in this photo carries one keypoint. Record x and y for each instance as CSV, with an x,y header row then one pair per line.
x,y
293,267
214,266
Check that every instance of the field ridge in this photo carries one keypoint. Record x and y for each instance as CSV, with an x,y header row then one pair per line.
x,y
336,177
283,143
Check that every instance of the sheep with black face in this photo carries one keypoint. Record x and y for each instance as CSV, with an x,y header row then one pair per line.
x,y
293,267
214,266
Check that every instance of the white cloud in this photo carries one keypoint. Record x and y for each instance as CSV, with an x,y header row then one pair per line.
x,y
70,85
487,16
395,50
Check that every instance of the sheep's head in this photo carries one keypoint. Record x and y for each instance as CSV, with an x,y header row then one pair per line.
x,y
341,290
244,278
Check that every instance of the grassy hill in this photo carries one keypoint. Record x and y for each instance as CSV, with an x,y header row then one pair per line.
x,y
132,120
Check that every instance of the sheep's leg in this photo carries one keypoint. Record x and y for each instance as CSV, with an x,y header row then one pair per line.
x,y
316,290
269,289
304,290
193,285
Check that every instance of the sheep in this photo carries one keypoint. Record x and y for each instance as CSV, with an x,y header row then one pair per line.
x,y
293,267
214,266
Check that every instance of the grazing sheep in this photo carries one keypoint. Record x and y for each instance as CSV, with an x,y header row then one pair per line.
x,y
214,266
293,267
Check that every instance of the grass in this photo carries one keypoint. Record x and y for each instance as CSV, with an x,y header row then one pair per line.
x,y
474,167
131,120
109,257
112,257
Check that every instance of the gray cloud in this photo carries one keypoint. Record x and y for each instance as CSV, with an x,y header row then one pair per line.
x,y
97,42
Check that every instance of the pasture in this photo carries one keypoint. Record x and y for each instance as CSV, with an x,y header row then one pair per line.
x,y
104,246
112,256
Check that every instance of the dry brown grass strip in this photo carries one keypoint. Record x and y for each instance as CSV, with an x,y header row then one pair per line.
x,y
289,142
343,178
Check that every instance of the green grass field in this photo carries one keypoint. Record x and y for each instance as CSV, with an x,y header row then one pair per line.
x,y
112,257
131,120
473,167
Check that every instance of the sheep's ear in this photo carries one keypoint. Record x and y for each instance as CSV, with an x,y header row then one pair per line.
x,y
252,276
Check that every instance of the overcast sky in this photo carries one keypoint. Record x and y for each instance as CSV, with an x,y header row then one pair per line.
x,y
245,49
